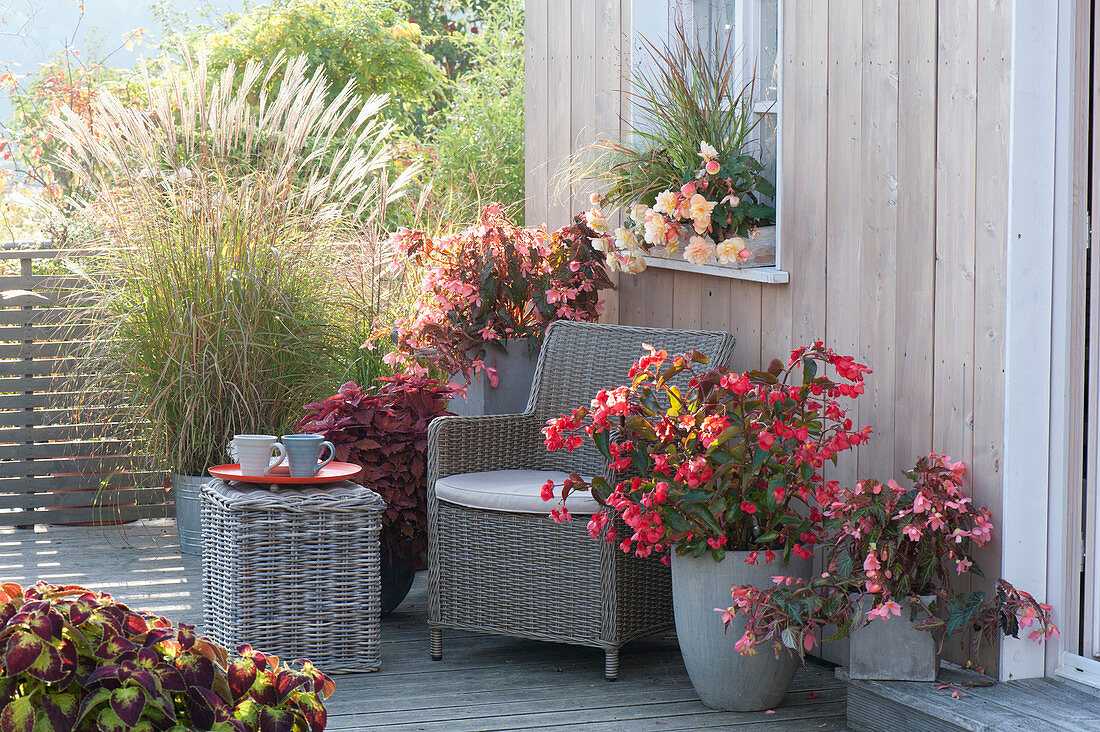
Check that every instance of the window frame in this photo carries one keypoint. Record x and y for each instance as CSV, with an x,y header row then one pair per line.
x,y
653,20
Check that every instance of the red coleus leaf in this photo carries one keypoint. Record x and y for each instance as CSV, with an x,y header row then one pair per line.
x,y
277,720
113,647
196,670
287,682
242,673
128,703
48,666
23,650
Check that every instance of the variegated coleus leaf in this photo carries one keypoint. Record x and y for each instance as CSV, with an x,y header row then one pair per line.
x,y
128,703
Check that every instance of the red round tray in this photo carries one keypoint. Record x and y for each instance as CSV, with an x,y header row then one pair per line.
x,y
334,472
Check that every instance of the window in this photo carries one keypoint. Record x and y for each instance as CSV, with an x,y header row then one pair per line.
x,y
755,29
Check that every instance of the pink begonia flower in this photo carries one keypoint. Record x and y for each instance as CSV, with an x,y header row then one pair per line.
x,y
883,610
687,190
729,249
920,503
713,167
744,645
595,199
699,251
912,531
962,565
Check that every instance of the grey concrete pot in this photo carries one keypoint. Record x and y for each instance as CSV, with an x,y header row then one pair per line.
x,y
723,678
186,493
892,650
515,369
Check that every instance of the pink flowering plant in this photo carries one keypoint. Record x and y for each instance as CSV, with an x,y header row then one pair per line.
x,y
893,550
712,459
489,283
688,177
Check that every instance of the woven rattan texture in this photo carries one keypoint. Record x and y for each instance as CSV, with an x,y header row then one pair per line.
x,y
294,573
521,574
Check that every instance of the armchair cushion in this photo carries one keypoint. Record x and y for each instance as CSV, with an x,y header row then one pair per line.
x,y
515,491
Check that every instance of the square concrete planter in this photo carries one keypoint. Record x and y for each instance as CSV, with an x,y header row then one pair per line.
x,y
892,650
515,369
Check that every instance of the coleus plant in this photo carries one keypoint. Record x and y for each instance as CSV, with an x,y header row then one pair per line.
x,y
732,461
492,282
893,551
384,430
77,660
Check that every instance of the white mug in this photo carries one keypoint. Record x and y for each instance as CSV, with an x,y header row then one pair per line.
x,y
254,453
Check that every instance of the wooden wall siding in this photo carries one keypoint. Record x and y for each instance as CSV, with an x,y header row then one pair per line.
x,y
53,456
893,215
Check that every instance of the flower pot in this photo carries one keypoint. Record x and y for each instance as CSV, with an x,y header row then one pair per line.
x,y
397,573
515,368
892,650
723,678
186,492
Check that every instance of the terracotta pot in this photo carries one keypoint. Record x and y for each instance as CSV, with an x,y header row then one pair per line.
x,y
723,678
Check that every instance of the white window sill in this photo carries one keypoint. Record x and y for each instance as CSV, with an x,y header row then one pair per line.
x,y
766,275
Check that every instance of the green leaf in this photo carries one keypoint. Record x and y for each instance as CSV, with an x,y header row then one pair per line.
x,y
18,715
770,536
696,495
601,489
725,436
962,610
790,640
602,440
709,520
809,370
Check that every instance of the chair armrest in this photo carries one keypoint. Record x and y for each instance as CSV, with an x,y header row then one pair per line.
x,y
490,442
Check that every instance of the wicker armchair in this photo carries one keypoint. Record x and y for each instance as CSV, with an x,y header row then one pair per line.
x,y
506,568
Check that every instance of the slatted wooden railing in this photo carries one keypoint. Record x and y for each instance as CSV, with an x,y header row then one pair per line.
x,y
59,462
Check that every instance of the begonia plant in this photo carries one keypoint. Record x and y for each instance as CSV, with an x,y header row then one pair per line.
x,y
491,283
893,549
716,460
384,430
76,660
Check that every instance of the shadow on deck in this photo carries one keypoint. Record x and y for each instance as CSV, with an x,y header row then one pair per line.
x,y
482,683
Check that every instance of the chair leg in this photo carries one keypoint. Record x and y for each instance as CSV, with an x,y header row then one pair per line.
x,y
611,665
437,644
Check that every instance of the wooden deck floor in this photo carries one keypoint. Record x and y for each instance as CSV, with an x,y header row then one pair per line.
x,y
482,683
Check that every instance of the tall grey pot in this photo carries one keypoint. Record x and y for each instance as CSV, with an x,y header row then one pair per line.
x,y
515,368
892,649
186,492
723,677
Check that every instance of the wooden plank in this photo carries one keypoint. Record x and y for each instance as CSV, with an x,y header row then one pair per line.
x,y
687,299
40,366
71,515
582,110
658,301
51,349
844,221
32,316
24,451
54,417
990,266
916,250
715,307
745,322
536,111
87,465
802,201
47,483
54,382
92,498
879,237
559,100
37,282
612,54
51,332
23,435
77,401
956,130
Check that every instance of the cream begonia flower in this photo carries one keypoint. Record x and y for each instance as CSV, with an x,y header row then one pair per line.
x,y
699,250
634,263
666,202
700,211
638,212
706,151
626,240
596,220
730,249
656,227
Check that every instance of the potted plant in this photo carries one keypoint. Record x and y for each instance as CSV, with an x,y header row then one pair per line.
x,y
384,430
78,660
211,296
888,582
485,299
686,179
724,469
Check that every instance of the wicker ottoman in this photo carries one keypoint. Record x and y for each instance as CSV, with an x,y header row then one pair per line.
x,y
294,573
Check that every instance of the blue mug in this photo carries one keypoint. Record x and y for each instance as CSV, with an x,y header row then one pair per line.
x,y
303,453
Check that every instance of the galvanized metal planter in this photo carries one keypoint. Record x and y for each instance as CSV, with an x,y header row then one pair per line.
x,y
723,677
892,650
186,492
515,369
